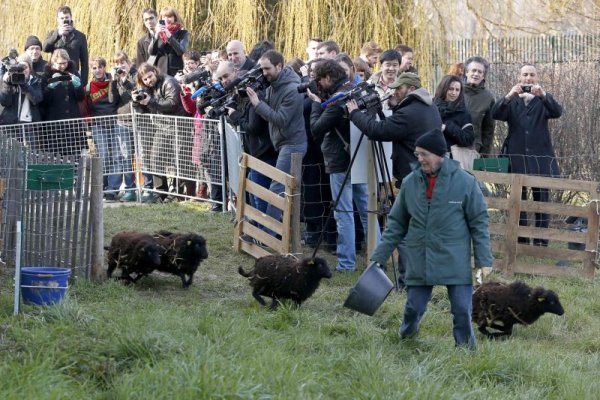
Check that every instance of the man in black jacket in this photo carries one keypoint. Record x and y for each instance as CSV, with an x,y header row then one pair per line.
x,y
331,128
150,17
33,48
413,114
73,41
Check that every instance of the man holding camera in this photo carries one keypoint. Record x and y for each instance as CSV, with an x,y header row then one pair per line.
x,y
20,94
283,110
526,109
73,41
331,128
413,114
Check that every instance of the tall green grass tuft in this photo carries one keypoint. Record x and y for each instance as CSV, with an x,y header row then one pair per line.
x,y
155,340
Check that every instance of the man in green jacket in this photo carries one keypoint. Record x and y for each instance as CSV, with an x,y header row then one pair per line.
x,y
441,214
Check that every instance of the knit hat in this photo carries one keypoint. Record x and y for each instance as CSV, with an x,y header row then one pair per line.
x,y
433,141
32,41
409,78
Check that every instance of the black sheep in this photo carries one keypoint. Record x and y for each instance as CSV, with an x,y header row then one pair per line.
x,y
135,253
183,253
285,277
499,306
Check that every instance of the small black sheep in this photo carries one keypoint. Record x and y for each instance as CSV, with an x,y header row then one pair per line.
x,y
183,253
135,253
499,306
285,277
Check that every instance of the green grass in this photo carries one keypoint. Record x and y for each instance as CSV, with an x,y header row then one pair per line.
x,y
155,340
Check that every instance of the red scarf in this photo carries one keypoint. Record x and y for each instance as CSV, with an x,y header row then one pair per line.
x,y
98,90
173,28
431,180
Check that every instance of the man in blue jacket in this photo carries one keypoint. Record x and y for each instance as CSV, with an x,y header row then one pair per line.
x,y
441,214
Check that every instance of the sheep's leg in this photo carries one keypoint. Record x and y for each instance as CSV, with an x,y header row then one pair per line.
x,y
188,283
111,267
274,304
258,298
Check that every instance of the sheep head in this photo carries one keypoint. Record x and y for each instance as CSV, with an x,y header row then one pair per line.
x,y
319,265
548,301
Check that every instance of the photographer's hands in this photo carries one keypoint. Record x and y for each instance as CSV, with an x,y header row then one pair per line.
x,y
252,96
516,90
312,96
351,106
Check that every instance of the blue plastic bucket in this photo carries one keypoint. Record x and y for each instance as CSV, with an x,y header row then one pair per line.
x,y
44,285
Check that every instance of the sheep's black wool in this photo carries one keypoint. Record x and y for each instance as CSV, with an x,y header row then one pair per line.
x,y
183,253
135,253
285,277
499,306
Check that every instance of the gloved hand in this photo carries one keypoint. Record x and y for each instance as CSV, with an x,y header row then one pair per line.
x,y
482,272
76,81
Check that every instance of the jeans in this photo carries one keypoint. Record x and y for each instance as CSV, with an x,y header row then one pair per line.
x,y
344,218
460,306
263,181
284,163
114,145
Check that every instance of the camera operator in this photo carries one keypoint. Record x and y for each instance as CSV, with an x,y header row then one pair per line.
x,y
20,101
158,94
33,48
254,132
73,41
413,114
282,108
331,128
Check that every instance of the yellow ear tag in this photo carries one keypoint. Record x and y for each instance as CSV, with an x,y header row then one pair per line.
x,y
311,262
541,299
189,242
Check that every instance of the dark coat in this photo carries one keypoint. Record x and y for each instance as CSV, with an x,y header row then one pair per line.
x,y
142,49
331,128
169,55
254,132
528,143
479,101
165,98
13,96
39,66
459,129
122,96
61,101
75,43
414,116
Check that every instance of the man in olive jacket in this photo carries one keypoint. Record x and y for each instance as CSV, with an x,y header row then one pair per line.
x,y
441,213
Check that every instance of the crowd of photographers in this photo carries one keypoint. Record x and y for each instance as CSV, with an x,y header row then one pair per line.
x,y
280,108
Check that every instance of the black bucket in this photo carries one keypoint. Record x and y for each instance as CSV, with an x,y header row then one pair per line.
x,y
370,291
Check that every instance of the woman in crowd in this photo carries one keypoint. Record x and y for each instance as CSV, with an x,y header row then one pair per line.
x,y
456,120
169,43
62,93
346,62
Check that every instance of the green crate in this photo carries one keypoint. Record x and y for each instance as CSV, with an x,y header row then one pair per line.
x,y
491,164
50,177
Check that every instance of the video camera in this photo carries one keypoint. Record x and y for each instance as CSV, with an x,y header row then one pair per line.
x,y
219,107
14,70
209,91
364,94
253,79
138,95
311,85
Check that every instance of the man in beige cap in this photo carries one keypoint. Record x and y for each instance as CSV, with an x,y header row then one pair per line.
x,y
413,114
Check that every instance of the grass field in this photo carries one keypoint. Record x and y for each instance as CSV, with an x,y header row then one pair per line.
x,y
155,340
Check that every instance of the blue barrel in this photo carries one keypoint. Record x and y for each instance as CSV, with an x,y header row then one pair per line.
x,y
44,285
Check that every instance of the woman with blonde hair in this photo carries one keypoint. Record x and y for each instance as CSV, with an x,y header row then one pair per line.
x,y
169,43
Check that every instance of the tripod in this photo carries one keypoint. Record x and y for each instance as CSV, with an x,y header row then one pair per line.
x,y
382,170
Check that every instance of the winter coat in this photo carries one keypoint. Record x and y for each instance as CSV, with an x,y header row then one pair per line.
x,y
168,55
440,232
331,128
459,129
165,98
254,132
143,49
61,100
411,118
479,101
102,103
13,96
39,66
75,43
528,143
122,96
282,108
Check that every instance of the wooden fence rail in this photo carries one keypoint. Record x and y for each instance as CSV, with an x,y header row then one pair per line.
x,y
513,257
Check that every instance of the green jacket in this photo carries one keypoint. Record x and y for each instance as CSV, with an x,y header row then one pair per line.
x,y
440,233
479,102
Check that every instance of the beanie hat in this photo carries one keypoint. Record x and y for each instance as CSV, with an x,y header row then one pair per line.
x,y
433,141
32,41
408,78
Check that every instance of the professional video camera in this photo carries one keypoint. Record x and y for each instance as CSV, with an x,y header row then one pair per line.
x,y
138,95
364,94
14,70
253,79
220,106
